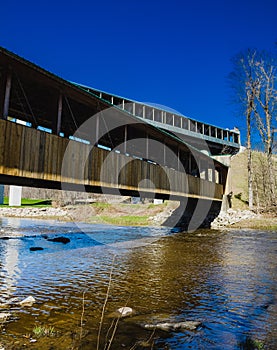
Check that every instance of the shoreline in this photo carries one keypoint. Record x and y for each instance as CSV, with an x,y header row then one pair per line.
x,y
135,215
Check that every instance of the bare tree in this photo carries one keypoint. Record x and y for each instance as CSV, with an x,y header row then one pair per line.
x,y
243,83
265,111
254,82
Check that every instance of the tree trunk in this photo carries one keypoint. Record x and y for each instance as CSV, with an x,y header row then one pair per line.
x,y
249,159
271,178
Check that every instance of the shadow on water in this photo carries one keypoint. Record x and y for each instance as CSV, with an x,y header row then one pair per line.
x,y
224,280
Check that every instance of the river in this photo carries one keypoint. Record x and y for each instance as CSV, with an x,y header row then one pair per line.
x,y
226,280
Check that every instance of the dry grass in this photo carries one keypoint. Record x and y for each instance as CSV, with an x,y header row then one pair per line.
x,y
261,223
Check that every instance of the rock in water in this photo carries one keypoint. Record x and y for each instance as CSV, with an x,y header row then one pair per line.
x,y
33,249
125,311
168,326
28,301
63,240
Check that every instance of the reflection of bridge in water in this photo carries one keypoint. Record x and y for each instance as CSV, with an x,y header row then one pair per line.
x,y
78,138
9,269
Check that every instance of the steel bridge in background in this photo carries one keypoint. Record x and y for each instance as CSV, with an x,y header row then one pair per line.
x,y
220,140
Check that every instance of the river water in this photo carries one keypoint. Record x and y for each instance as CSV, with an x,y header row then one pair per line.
x,y
224,279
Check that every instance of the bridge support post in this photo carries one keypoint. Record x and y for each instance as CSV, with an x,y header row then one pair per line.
x,y
59,118
178,158
15,196
57,112
7,95
125,138
97,130
147,147
1,194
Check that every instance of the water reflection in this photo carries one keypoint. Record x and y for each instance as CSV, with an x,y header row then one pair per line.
x,y
10,271
226,280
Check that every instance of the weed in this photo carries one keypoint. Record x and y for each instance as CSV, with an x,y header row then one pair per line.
x,y
43,331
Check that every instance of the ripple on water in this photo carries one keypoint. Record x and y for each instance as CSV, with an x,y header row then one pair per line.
x,y
224,279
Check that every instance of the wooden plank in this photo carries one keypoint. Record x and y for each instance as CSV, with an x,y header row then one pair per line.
x,y
12,158
42,145
3,127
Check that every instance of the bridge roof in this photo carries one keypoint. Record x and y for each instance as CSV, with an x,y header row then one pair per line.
x,y
39,90
188,129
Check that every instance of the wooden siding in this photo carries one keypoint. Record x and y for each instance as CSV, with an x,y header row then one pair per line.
x,y
30,153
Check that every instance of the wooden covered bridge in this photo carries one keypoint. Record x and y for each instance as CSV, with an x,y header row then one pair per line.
x,y
60,135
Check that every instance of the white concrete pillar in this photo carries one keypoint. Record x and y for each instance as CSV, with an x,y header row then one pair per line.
x,y
15,196
15,192
158,201
1,194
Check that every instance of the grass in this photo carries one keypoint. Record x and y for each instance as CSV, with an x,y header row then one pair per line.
x,y
152,205
128,220
262,223
43,331
101,205
31,202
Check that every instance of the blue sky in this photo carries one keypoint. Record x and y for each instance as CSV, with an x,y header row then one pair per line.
x,y
175,53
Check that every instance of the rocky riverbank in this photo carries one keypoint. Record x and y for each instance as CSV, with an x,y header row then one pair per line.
x,y
153,215
245,219
32,212
231,217
117,214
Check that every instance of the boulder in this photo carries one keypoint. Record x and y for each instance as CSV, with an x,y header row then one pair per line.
x,y
125,311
